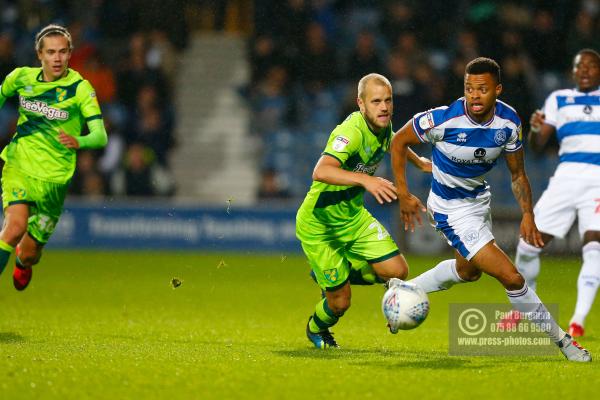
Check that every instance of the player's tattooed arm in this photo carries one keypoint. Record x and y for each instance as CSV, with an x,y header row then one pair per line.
x,y
522,192
520,183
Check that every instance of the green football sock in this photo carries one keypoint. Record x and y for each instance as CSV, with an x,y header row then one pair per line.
x,y
5,252
323,318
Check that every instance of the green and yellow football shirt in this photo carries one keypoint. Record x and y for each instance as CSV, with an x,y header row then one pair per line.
x,y
358,149
46,108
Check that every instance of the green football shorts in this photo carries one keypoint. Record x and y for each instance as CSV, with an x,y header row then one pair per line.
x,y
328,250
45,201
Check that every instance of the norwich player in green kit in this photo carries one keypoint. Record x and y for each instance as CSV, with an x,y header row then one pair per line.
x,y
343,242
54,104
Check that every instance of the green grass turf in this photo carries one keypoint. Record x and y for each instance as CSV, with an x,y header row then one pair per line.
x,y
109,325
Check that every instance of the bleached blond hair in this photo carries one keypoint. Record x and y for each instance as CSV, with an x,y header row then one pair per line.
x,y
378,78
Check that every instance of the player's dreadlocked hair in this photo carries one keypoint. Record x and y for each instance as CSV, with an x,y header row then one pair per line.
x,y
484,65
52,30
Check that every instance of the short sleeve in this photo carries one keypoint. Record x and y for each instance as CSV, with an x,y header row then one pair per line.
x,y
342,144
514,142
550,110
426,124
90,109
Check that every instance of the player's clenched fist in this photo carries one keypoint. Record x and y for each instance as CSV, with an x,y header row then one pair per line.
x,y
536,121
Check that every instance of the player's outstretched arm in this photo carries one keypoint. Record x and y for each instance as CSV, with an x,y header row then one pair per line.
x,y
328,170
410,205
540,131
522,191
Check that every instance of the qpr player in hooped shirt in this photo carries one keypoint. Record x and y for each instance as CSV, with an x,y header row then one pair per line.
x,y
468,137
463,152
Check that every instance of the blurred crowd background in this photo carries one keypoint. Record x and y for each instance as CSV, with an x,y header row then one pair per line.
x,y
305,59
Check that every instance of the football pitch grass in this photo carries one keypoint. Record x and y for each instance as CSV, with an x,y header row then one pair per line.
x,y
109,325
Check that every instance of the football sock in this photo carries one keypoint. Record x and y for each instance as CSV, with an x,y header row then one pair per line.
x,y
18,263
323,318
526,301
5,252
365,275
588,281
441,277
528,262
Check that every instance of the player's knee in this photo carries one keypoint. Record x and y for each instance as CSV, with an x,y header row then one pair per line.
x,y
339,305
399,271
396,267
467,271
471,275
14,231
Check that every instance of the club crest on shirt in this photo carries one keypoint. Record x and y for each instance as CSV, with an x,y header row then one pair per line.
x,y
340,143
500,137
61,94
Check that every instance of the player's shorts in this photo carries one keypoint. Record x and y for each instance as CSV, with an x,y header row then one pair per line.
x,y
565,199
328,251
45,200
467,230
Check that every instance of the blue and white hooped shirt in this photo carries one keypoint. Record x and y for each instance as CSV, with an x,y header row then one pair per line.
x,y
464,150
576,117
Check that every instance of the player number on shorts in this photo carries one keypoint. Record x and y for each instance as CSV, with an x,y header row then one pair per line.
x,y
380,232
598,206
45,223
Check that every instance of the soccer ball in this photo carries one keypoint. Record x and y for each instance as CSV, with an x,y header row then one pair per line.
x,y
405,305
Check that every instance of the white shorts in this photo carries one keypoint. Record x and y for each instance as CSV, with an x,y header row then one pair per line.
x,y
467,230
563,200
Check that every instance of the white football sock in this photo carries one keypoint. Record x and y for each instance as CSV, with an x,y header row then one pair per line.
x,y
441,277
528,262
526,301
588,281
